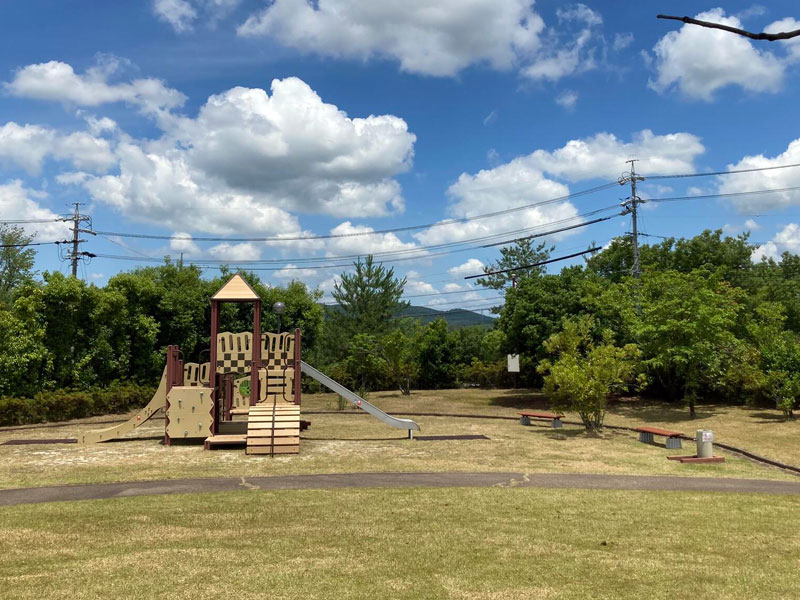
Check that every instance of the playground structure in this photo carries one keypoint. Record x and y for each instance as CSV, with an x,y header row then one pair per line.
x,y
250,398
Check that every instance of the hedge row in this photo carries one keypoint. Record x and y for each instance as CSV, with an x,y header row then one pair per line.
x,y
62,405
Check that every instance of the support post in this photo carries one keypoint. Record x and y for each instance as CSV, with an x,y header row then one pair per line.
x,y
298,384
173,366
212,365
255,363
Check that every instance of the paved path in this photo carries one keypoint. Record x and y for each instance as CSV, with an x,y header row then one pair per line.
x,y
62,493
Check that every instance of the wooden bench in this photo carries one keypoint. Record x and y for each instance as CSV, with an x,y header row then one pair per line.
x,y
646,436
555,419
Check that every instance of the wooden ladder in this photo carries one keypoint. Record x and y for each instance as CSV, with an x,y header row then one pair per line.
x,y
273,428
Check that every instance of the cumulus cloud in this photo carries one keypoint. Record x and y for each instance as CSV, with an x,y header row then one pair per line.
x,y
291,271
525,180
432,39
235,252
764,180
58,81
365,244
699,61
604,155
751,225
472,267
17,203
28,145
249,160
622,41
181,241
786,240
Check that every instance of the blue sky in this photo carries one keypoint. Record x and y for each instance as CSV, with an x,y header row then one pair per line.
x,y
253,119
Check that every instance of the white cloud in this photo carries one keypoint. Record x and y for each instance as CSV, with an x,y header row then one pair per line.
x,y
523,181
178,13
493,157
575,57
292,272
699,61
786,240
604,155
764,180
235,252
792,45
439,38
181,241
250,159
16,204
365,244
751,225
622,41
490,118
58,81
28,146
472,267
567,99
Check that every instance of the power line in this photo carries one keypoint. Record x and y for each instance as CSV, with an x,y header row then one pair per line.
x,y
19,221
34,244
537,264
726,195
365,233
753,170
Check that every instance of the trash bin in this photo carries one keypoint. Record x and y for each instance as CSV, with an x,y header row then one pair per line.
x,y
705,443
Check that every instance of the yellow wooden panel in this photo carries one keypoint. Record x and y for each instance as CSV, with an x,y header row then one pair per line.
x,y
236,289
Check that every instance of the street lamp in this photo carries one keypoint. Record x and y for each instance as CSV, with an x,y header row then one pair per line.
x,y
279,308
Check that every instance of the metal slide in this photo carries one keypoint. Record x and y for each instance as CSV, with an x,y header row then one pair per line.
x,y
359,401
158,402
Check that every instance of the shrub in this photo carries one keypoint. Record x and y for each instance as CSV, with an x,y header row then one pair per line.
x,y
62,405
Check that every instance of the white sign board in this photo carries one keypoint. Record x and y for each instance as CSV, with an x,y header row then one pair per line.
x,y
513,363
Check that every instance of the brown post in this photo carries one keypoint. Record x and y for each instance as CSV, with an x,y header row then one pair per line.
x,y
172,376
228,379
212,365
297,366
255,363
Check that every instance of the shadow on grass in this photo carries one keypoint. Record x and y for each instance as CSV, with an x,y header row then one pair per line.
x,y
770,417
357,439
520,399
661,411
562,434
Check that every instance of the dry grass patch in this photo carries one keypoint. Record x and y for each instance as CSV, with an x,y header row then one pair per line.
x,y
352,441
405,544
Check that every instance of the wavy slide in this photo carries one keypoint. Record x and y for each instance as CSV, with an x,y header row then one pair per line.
x,y
358,401
158,402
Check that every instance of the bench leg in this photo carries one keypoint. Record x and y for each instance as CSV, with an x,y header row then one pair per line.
x,y
646,437
524,420
673,442
557,424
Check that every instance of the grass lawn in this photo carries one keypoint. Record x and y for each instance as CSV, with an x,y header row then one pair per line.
x,y
355,442
405,543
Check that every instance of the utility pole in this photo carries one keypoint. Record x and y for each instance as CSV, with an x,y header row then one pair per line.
x,y
77,218
630,206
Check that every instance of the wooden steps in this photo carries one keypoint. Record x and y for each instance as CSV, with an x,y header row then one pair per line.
x,y
215,441
273,429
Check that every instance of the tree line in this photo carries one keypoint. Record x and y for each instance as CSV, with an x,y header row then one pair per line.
x,y
703,322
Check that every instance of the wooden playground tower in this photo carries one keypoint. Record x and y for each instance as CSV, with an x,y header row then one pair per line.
x,y
248,394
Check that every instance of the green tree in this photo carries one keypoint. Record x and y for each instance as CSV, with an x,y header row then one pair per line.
x,y
368,298
583,374
519,254
400,360
16,261
687,332
436,351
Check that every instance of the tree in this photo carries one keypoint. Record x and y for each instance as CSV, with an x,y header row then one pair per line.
x,y
368,298
401,365
436,356
519,254
16,261
582,374
687,332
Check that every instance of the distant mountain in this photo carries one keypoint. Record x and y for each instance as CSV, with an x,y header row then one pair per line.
x,y
455,317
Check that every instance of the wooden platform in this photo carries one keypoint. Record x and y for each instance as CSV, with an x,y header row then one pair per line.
x,y
273,429
215,441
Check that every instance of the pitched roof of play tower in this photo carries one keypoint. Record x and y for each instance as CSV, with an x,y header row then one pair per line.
x,y
237,289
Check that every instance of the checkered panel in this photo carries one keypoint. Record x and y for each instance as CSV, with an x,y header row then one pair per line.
x,y
277,350
234,352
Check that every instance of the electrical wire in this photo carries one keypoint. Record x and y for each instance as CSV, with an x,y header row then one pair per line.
x,y
443,223
753,170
